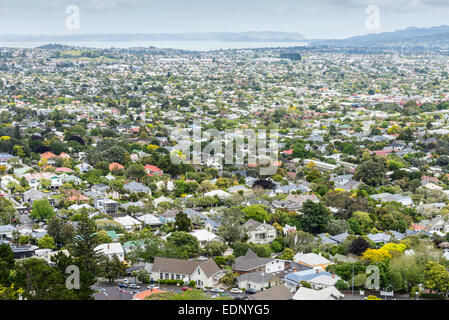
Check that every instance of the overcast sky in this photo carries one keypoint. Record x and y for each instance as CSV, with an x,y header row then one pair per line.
x,y
312,18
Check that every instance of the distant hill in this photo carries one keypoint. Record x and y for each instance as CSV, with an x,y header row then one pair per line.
x,y
409,37
256,36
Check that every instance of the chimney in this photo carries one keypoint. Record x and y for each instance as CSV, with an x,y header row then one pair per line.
x,y
333,276
317,270
108,246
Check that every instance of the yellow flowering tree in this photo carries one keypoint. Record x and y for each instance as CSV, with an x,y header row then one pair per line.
x,y
375,255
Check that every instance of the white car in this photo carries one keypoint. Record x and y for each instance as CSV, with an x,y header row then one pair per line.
x,y
202,258
236,290
134,286
217,290
125,280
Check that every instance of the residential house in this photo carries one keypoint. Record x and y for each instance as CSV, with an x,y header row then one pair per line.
x,y
204,273
259,233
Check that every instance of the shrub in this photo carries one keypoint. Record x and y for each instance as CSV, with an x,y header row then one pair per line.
x,y
342,285
432,296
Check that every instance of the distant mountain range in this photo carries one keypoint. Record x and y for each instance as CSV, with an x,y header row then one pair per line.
x,y
409,37
412,37
256,36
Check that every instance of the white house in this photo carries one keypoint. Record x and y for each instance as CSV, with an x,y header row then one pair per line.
x,y
129,223
260,233
111,249
204,273
204,237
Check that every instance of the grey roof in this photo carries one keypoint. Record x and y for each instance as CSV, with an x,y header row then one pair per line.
x,y
276,293
136,187
7,228
340,237
249,261
379,237
257,277
326,240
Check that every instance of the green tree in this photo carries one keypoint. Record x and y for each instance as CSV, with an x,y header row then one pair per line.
x,y
287,254
46,242
184,242
113,268
256,212
87,259
182,222
231,228
436,277
315,217
371,173
42,210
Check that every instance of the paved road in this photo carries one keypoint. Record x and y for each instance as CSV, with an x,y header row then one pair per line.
x,y
26,221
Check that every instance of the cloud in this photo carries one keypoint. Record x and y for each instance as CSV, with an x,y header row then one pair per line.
x,y
390,5
92,5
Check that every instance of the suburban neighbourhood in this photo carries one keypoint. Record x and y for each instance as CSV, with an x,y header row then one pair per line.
x,y
88,180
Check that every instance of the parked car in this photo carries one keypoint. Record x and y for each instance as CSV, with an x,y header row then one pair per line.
x,y
239,296
122,285
217,290
153,287
236,290
125,281
201,258
215,295
186,289
251,291
134,286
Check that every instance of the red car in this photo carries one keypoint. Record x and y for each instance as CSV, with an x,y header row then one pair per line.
x,y
186,289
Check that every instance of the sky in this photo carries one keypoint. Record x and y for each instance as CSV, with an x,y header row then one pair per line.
x,y
315,19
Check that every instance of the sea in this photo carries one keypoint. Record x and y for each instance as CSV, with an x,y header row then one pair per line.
x,y
181,45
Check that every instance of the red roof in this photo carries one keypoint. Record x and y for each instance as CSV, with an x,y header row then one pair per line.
x,y
47,155
152,168
115,166
289,152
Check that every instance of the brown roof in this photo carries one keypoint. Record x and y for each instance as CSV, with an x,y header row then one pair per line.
x,y
276,293
186,267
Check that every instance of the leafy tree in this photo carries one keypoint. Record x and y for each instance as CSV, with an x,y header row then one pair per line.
x,y
182,222
42,210
6,264
229,279
143,276
40,281
185,242
46,242
371,173
231,228
315,217
87,259
375,255
113,268
287,254
256,212
103,237
337,227
436,277
341,285
359,246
